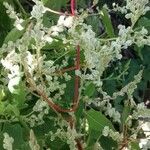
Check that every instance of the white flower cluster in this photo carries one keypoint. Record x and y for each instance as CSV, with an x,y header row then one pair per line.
x,y
133,9
69,135
98,53
114,135
144,144
10,63
65,21
8,142
97,146
33,142
105,105
12,14
112,113
40,109
141,38
122,9
137,8
32,62
141,111
38,10
130,87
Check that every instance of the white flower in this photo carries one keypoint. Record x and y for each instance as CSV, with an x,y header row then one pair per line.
x,y
14,15
78,73
146,128
38,10
105,131
65,21
33,142
7,142
61,20
68,22
12,83
18,23
10,63
39,106
48,39
144,144
19,27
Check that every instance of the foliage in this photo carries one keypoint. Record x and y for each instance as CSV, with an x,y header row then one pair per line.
x,y
74,78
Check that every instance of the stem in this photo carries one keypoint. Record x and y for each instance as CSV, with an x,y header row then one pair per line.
x,y
62,56
57,12
23,123
44,96
67,69
73,7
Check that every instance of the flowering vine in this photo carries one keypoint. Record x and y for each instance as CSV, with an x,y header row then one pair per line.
x,y
36,81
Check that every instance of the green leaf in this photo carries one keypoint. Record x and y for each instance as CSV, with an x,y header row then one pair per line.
x,y
2,108
110,86
96,24
92,139
5,23
15,34
97,121
125,113
19,97
134,145
79,113
53,5
12,109
2,94
139,51
89,90
107,23
144,22
95,2
16,132
112,144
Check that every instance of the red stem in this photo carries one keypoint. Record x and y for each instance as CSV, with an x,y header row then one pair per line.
x,y
77,80
76,90
73,7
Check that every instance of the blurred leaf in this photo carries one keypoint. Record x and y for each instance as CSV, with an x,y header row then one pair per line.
x,y
146,74
125,113
12,109
97,121
89,89
135,145
110,86
2,94
15,131
5,23
15,34
139,51
92,139
96,24
108,143
107,23
146,55
56,6
19,97
144,22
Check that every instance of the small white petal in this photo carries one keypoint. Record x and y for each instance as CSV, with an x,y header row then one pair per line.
x,y
61,20
48,39
19,27
68,21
